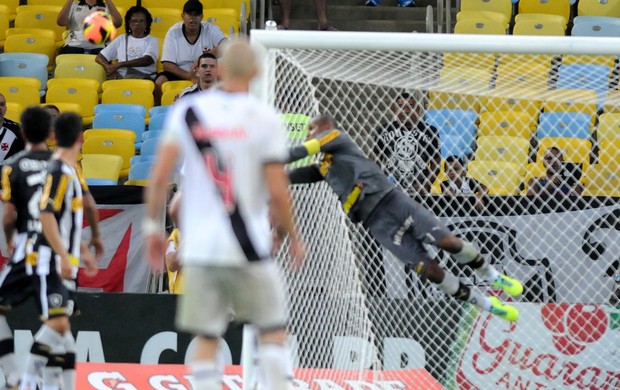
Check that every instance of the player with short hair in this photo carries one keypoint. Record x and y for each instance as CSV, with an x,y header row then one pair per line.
x,y
55,260
234,150
399,223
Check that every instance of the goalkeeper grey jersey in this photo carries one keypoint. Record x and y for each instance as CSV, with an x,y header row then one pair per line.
x,y
359,182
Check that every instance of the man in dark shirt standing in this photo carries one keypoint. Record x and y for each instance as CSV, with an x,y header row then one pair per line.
x,y
11,140
408,148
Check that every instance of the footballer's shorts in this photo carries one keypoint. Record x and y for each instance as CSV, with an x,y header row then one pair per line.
x,y
405,228
255,292
15,285
54,296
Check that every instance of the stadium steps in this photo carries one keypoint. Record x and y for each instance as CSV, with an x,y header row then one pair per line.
x,y
352,15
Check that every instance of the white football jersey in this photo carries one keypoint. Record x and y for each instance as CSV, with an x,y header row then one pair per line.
x,y
225,139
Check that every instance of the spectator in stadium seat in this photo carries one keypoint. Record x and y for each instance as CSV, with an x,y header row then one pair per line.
x,y
72,16
54,113
408,148
558,179
401,3
136,51
206,74
11,140
184,42
321,13
459,184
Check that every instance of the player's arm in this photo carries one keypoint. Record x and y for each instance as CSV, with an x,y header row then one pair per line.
x,y
327,142
176,70
305,175
282,207
156,196
9,211
52,198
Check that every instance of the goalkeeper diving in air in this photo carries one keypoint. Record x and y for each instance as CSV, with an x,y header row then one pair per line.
x,y
396,221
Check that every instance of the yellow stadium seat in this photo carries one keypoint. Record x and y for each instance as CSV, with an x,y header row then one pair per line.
x,y
506,123
612,102
227,23
482,61
38,7
129,84
609,153
22,90
4,26
558,19
241,7
464,79
522,76
497,16
513,150
121,95
81,70
105,145
14,111
602,180
102,166
452,100
501,178
170,96
79,58
125,4
78,91
177,84
110,133
46,2
65,107
571,100
599,8
608,127
37,31
480,26
40,18
148,4
503,7
575,150
537,27
520,104
31,43
553,7
11,8
163,19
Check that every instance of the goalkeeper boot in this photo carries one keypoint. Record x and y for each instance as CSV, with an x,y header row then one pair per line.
x,y
406,3
502,310
510,285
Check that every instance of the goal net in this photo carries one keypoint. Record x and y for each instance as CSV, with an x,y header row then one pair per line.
x,y
536,123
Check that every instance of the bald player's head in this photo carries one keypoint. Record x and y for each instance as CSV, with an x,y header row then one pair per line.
x,y
238,61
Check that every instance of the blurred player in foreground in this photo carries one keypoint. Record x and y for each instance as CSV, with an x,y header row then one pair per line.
x,y
234,151
399,223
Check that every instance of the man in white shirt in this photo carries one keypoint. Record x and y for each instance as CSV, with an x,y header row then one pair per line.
x,y
184,42
234,150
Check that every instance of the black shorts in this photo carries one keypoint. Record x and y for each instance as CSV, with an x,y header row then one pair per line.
x,y
55,296
15,285
405,227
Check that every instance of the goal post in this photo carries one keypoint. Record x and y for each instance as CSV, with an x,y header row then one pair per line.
x,y
518,114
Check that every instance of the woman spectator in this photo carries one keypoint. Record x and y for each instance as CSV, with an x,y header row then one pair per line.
x,y
72,16
135,51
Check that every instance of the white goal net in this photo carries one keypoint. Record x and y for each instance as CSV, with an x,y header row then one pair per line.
x,y
537,123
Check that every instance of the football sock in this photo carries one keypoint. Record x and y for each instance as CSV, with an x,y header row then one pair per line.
x,y
469,255
46,343
275,366
68,367
206,375
7,353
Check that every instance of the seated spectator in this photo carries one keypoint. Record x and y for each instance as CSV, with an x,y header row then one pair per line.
x,y
401,3
54,113
560,178
72,16
459,184
184,42
11,141
321,13
206,73
135,51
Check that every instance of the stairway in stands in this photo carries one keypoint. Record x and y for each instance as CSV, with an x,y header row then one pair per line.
x,y
352,15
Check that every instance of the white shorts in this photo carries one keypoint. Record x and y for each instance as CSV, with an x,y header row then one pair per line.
x,y
254,292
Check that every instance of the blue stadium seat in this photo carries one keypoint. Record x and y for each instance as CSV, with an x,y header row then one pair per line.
x,y
115,120
595,29
564,124
585,76
456,128
151,134
121,108
140,170
100,182
25,65
158,110
157,122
